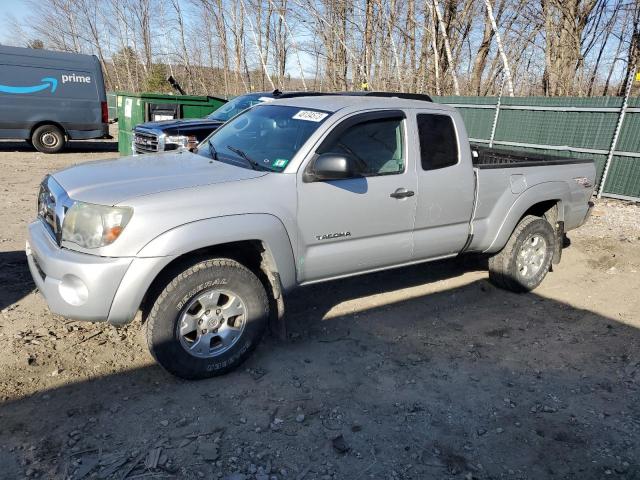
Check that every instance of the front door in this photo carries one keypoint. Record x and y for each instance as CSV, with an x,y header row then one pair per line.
x,y
357,224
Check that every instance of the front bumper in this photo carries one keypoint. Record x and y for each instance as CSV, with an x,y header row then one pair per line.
x,y
75,285
88,287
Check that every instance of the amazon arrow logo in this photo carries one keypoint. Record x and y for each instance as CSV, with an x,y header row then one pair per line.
x,y
47,82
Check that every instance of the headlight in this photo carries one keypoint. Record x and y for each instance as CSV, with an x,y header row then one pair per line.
x,y
94,226
185,141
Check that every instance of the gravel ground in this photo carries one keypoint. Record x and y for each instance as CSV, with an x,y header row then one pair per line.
x,y
423,372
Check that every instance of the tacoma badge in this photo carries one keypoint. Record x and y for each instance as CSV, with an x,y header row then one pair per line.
x,y
327,236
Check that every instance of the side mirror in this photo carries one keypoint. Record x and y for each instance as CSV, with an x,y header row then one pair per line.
x,y
332,166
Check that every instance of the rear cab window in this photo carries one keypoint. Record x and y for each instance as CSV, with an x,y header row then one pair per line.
x,y
438,141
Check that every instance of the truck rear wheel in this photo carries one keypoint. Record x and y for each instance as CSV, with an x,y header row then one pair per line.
x,y
208,319
48,139
526,258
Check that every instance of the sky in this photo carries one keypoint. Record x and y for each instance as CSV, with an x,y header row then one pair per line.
x,y
11,9
17,7
17,12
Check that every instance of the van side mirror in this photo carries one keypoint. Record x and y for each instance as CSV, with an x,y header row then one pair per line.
x,y
332,166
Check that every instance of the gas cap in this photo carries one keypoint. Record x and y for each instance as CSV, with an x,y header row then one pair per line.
x,y
518,183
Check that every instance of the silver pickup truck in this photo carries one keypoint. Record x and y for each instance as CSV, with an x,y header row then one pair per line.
x,y
289,193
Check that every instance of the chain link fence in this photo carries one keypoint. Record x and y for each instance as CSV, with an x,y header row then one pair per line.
x,y
563,126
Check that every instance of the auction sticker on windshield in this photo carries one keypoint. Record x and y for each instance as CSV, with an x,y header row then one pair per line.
x,y
310,116
280,163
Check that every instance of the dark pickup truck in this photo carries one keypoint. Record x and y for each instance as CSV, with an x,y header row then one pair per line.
x,y
153,137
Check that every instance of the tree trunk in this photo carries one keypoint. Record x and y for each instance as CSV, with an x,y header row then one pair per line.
x,y
634,50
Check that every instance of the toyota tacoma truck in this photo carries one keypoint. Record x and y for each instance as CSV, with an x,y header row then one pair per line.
x,y
289,193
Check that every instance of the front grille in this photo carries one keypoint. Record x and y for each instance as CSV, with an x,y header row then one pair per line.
x,y
145,142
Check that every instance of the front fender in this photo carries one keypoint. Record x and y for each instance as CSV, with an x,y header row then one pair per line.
x,y
168,246
541,192
234,228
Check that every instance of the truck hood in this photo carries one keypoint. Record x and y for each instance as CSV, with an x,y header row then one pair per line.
x,y
109,182
182,126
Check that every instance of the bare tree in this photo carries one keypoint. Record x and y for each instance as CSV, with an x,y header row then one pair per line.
x,y
551,47
505,60
141,10
447,47
565,21
633,56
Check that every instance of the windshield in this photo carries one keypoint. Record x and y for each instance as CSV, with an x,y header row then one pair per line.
x,y
237,105
265,137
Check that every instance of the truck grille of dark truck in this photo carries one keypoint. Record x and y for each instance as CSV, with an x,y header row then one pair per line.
x,y
145,142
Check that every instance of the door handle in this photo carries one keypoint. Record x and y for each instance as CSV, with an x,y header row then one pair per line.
x,y
402,193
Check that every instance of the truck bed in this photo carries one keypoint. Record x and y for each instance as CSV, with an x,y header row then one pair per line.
x,y
508,182
501,158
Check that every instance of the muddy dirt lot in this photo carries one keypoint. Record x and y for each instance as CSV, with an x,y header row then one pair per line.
x,y
424,372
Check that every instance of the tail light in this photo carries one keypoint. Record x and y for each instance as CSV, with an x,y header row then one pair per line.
x,y
105,112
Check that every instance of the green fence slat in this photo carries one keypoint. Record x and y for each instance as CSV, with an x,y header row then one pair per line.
x,y
629,140
624,177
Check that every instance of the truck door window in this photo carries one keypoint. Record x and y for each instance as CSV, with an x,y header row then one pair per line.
x,y
438,141
376,145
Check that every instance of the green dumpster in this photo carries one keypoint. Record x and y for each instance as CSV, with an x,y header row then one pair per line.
x,y
137,108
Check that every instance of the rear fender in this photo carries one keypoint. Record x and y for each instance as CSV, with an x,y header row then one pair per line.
x,y
542,192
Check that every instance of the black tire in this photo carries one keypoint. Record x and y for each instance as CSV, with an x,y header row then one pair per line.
x,y
166,343
503,266
48,139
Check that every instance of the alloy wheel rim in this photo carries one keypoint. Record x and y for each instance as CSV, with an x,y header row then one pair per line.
x,y
211,323
531,256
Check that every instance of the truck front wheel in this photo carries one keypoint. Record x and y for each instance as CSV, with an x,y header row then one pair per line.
x,y
208,319
526,258
48,139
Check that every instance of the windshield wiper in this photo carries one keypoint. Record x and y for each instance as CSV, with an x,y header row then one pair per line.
x,y
252,163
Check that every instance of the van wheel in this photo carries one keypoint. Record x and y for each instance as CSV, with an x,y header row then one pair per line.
x,y
525,260
48,139
208,319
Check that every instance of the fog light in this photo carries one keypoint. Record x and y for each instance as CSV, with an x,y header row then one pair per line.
x,y
73,290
